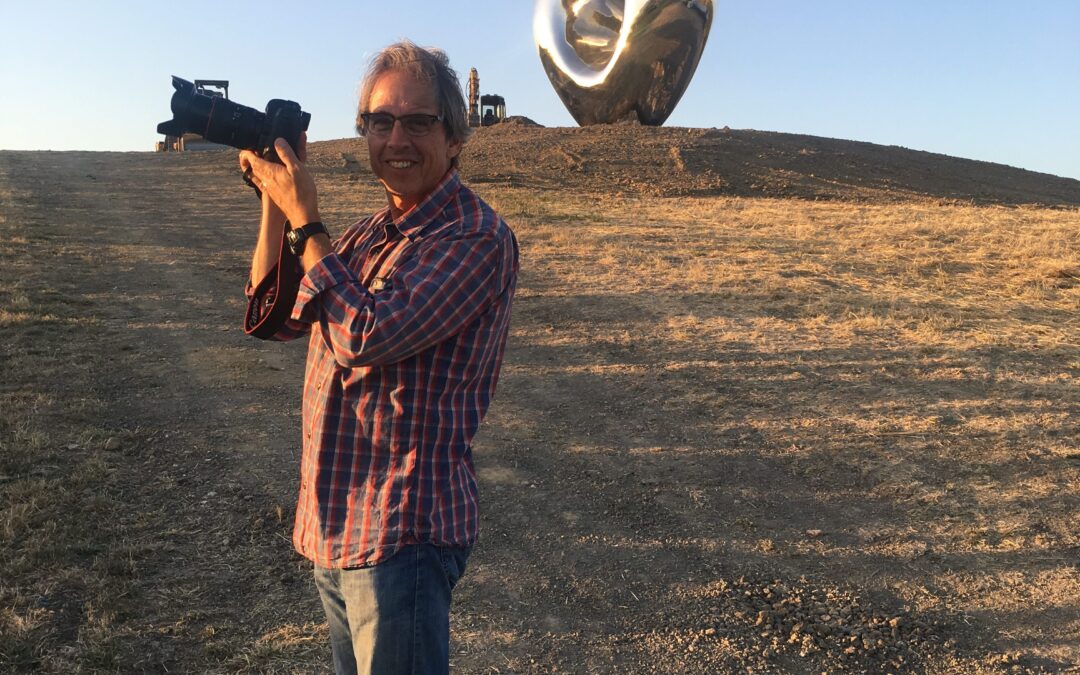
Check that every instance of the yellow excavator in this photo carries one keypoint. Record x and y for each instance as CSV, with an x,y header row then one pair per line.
x,y
486,110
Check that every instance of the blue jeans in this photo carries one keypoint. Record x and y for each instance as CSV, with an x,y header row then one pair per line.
x,y
392,618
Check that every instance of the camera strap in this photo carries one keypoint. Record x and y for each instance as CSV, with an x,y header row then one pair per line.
x,y
272,301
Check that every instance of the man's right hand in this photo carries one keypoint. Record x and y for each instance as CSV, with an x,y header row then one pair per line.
x,y
289,185
272,224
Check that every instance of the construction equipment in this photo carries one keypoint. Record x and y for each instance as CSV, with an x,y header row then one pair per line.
x,y
191,141
486,110
492,109
474,98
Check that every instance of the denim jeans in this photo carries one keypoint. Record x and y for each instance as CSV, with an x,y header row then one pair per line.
x,y
392,618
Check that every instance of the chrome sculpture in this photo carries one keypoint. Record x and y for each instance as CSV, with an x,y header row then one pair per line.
x,y
616,60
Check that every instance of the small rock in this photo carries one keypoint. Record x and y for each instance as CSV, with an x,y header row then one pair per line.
x,y
814,533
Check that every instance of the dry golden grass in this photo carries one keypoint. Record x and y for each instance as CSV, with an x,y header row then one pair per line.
x,y
924,273
693,386
913,367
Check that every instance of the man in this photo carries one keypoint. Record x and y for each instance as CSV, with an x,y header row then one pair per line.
x,y
407,313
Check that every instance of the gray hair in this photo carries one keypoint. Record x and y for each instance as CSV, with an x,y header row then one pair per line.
x,y
426,64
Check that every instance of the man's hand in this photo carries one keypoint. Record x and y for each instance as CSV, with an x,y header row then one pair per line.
x,y
288,185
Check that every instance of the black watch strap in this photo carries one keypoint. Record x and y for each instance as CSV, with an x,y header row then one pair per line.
x,y
298,236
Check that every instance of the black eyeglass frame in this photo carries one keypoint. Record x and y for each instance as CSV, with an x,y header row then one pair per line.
x,y
404,119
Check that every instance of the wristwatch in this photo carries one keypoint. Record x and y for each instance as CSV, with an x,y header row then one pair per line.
x,y
298,236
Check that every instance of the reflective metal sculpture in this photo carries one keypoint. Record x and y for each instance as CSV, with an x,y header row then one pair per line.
x,y
615,60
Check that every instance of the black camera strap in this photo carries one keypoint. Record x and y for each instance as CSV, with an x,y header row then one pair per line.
x,y
272,301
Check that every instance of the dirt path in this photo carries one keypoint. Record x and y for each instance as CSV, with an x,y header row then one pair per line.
x,y
649,503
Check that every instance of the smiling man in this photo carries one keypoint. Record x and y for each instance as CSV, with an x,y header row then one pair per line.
x,y
407,314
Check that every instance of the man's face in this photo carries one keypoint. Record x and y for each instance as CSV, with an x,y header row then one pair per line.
x,y
409,167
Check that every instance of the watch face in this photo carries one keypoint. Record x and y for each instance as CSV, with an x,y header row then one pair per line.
x,y
295,239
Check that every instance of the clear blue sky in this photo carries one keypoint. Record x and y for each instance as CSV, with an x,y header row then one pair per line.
x,y
996,80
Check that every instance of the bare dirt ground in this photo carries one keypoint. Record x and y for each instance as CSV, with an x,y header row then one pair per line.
x,y
771,404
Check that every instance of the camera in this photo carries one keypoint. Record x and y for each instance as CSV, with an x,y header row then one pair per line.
x,y
219,120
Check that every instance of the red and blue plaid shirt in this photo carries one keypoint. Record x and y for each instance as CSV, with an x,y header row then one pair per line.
x,y
408,321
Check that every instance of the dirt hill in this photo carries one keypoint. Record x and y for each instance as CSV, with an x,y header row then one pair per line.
x,y
634,160
731,435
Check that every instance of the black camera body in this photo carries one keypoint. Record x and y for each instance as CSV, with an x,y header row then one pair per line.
x,y
219,120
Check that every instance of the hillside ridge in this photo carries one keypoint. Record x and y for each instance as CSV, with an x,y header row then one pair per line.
x,y
678,161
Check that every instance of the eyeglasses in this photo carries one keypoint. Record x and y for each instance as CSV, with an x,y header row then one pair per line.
x,y
381,124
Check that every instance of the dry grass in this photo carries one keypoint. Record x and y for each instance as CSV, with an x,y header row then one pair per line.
x,y
91,526
917,271
65,554
691,386
913,366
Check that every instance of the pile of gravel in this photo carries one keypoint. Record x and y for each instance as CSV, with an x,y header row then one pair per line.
x,y
520,121
834,625
754,624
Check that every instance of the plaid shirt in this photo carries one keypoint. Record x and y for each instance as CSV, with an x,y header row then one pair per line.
x,y
408,321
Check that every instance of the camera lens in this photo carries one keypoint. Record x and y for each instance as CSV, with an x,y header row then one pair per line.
x,y
219,120
233,124
215,118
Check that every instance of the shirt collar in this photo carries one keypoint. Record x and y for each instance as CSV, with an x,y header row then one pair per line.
x,y
412,222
